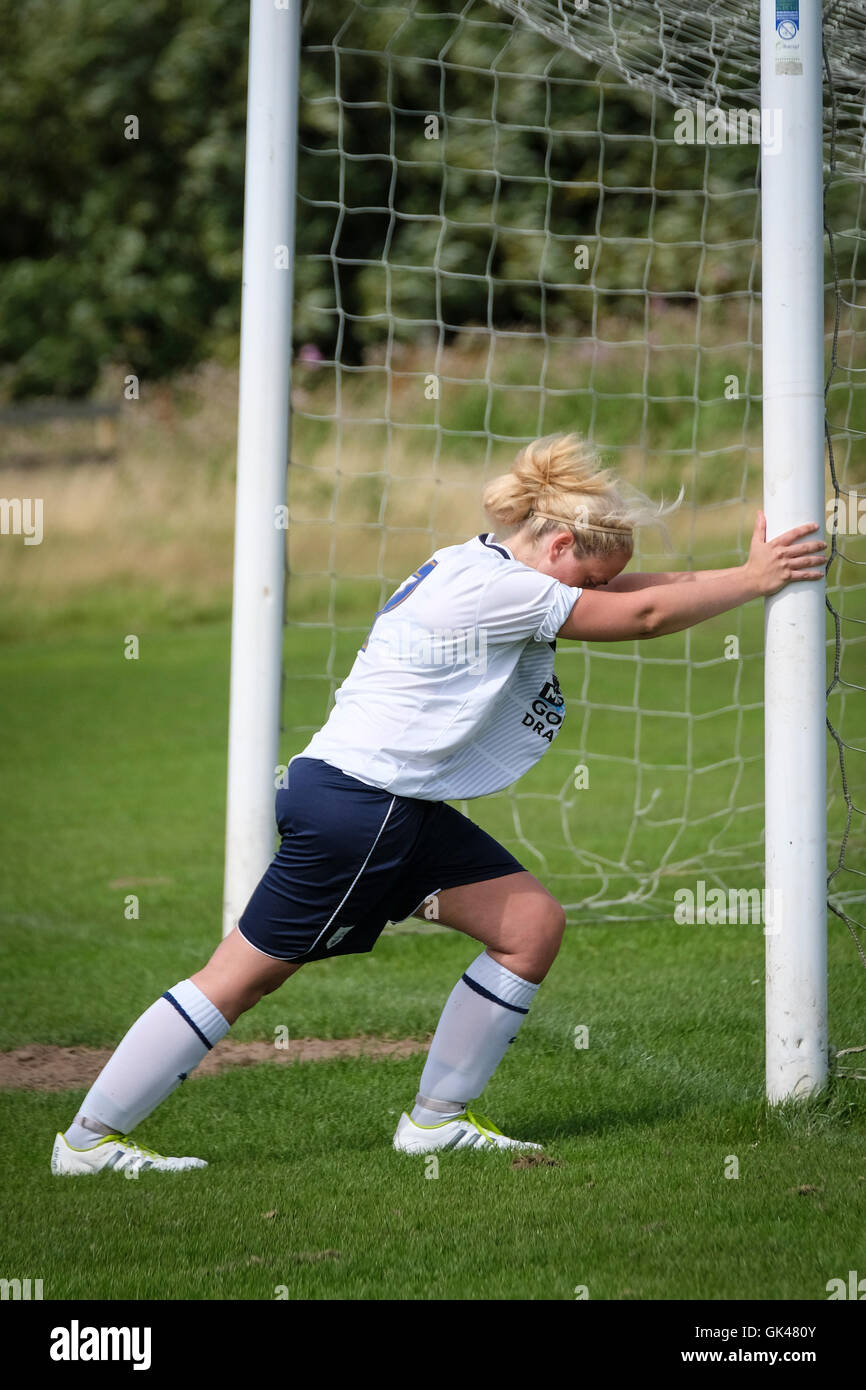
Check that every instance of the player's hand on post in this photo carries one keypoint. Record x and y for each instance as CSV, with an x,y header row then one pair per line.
x,y
785,559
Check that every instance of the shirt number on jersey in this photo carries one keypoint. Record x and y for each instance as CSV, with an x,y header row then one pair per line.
x,y
403,592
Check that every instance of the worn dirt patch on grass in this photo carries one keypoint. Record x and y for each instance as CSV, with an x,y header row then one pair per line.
x,y
42,1067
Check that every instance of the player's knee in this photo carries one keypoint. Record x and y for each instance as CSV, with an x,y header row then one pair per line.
x,y
271,985
241,998
552,931
542,941
252,991
233,988
558,923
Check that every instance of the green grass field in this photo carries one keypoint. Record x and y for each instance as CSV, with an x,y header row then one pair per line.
x,y
113,771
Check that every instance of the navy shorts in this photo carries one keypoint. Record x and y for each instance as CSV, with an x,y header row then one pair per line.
x,y
353,858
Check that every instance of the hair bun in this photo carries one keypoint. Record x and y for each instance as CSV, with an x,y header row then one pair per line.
x,y
559,480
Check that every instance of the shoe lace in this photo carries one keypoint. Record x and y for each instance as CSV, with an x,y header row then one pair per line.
x,y
138,1151
481,1122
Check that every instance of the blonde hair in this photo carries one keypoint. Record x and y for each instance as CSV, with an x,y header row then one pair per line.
x,y
557,483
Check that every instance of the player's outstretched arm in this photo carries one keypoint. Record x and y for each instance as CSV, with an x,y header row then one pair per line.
x,y
656,610
627,583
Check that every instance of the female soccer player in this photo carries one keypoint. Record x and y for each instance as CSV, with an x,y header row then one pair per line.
x,y
453,695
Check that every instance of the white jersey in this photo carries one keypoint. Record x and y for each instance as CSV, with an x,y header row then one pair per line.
x,y
453,694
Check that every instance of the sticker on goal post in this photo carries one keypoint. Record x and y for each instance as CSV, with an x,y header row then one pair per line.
x,y
788,60
787,19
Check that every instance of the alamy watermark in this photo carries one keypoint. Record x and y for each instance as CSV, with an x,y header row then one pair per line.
x,y
853,1288
713,125
77,1343
22,516
846,516
17,1289
735,906
412,645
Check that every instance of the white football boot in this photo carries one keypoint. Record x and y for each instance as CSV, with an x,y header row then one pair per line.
x,y
466,1131
116,1153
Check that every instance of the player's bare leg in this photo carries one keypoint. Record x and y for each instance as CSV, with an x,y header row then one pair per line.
x,y
157,1054
237,976
521,926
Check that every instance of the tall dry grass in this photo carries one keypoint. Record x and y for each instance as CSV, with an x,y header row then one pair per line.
x,y
379,478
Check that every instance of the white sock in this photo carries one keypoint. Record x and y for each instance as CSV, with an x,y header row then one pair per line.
x,y
481,1017
156,1055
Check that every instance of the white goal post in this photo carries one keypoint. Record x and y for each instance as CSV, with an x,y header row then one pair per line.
x,y
263,447
792,258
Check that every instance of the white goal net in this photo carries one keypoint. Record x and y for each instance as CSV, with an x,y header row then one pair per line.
x,y
532,217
